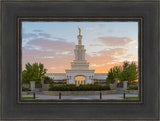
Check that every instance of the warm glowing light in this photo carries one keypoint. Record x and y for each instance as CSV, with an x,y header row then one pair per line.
x,y
136,80
80,80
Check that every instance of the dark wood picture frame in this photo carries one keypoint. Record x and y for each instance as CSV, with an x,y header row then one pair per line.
x,y
147,109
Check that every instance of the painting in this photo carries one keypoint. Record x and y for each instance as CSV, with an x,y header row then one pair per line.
x,y
84,60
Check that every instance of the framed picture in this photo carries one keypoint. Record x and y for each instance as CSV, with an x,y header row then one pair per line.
x,y
85,81
85,60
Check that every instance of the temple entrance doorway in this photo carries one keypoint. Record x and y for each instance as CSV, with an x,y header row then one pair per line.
x,y
80,80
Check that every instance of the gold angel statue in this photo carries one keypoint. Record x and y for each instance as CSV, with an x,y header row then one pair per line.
x,y
79,30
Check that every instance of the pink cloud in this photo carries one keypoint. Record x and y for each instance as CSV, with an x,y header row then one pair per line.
x,y
53,54
46,44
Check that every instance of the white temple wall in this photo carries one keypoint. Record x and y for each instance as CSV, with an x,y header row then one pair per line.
x,y
97,76
83,55
76,55
80,67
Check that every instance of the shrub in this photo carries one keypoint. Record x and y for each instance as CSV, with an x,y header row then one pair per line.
x,y
132,88
26,89
48,80
73,87
59,82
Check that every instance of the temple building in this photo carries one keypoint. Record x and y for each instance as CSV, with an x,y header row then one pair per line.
x,y
79,72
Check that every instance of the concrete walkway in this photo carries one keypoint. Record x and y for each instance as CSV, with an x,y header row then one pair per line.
x,y
82,97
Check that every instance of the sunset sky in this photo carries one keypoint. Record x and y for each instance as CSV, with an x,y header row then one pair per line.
x,y
52,43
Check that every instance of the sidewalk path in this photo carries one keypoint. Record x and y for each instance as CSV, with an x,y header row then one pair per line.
x,y
82,97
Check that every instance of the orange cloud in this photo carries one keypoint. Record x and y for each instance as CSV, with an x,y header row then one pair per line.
x,y
115,41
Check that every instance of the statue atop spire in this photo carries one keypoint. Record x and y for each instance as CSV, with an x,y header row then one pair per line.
x,y
79,37
79,30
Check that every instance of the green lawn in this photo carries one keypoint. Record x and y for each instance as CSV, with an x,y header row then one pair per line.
x,y
28,97
131,97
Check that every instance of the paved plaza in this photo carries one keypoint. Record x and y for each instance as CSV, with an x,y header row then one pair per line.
x,y
82,97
